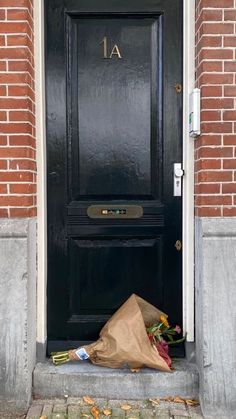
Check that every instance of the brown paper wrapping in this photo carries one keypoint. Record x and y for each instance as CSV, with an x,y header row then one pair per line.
x,y
124,341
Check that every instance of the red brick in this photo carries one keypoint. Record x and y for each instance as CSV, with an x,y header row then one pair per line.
x,y
208,212
216,28
207,188
2,14
2,41
216,3
21,66
20,140
25,164
25,188
21,116
16,176
3,164
230,139
3,189
17,14
216,79
209,41
16,152
229,115
23,212
230,66
3,65
12,3
229,211
15,78
230,15
203,200
21,91
3,213
13,27
216,127
9,53
206,152
208,140
208,164
229,164
10,103
3,140
8,128
230,41
18,40
210,116
217,103
211,91
3,90
3,116
229,188
230,91
211,15
215,176
18,201
215,54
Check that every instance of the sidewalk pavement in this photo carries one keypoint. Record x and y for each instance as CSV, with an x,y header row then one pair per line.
x,y
76,408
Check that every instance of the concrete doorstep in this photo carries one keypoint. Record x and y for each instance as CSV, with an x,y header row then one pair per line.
x,y
77,379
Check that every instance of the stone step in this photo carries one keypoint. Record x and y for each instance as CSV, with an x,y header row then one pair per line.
x,y
79,379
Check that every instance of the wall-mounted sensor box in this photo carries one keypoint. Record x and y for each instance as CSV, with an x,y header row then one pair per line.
x,y
194,113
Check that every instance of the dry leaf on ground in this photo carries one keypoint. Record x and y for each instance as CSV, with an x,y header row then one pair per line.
x,y
155,401
85,416
43,417
178,400
88,400
95,412
190,402
106,412
125,407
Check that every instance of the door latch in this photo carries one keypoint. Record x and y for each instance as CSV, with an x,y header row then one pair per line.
x,y
178,174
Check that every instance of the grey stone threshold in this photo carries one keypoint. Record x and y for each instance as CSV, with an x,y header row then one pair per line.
x,y
79,379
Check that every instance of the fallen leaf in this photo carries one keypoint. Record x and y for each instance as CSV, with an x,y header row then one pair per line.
x,y
125,407
135,369
95,412
85,416
178,400
106,412
155,401
88,400
43,417
190,402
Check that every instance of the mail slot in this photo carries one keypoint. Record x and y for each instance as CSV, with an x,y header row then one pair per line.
x,y
113,211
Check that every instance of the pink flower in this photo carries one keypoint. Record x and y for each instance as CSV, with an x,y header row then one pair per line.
x,y
177,329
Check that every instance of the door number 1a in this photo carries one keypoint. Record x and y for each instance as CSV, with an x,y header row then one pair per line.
x,y
115,52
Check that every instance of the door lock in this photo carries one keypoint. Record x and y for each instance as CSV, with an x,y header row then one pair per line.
x,y
178,174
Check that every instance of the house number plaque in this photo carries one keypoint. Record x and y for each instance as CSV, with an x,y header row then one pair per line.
x,y
115,51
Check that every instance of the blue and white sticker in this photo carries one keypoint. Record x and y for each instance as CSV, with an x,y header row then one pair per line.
x,y
82,354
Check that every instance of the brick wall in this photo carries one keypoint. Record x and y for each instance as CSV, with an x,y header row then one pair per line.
x,y
215,150
17,110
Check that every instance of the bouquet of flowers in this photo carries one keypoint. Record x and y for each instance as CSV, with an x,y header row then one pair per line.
x,y
129,339
161,335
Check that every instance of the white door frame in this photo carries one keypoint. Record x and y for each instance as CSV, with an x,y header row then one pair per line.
x,y
188,165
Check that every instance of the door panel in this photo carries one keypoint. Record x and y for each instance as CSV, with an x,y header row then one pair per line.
x,y
113,133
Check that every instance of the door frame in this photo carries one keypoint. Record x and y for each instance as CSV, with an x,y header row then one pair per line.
x,y
188,180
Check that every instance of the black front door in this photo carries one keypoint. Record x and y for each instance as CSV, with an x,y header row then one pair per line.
x,y
114,119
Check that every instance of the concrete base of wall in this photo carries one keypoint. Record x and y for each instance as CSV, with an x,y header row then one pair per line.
x,y
215,263
17,311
